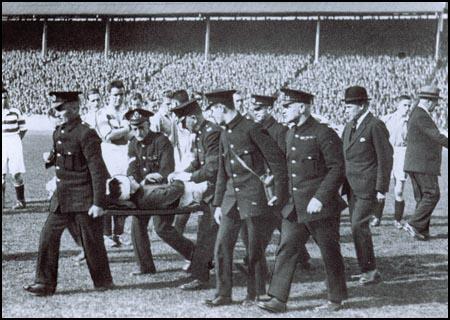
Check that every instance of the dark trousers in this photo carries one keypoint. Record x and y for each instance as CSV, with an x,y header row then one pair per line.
x,y
165,230
427,195
204,247
119,225
74,231
326,234
90,231
361,211
224,248
181,221
275,223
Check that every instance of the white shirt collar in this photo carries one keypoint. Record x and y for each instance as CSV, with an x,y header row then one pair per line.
x,y
361,119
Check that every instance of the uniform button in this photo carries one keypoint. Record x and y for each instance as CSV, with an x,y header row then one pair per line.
x,y
145,169
237,189
294,175
143,145
293,161
202,162
62,131
143,158
69,153
246,151
231,146
58,154
57,167
230,131
309,158
199,150
297,136
232,161
238,208
58,180
198,139
294,188
59,142
293,148
199,133
234,175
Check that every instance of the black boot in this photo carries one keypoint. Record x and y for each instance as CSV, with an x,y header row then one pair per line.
x,y
20,195
399,210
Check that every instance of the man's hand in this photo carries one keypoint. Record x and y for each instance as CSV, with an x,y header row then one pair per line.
x,y
218,215
154,177
95,211
381,197
272,202
183,176
171,177
314,206
45,156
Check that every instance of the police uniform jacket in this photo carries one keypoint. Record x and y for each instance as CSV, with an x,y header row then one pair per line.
x,y
316,168
424,144
368,157
153,154
277,131
80,171
235,184
205,165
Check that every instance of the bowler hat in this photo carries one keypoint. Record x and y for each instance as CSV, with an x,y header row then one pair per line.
x,y
355,94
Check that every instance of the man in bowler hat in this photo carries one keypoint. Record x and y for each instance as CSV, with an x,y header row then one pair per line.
x,y
368,164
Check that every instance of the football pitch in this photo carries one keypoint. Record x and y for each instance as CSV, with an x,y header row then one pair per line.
x,y
415,273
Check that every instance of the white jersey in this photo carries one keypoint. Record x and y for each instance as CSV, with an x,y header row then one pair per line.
x,y
397,126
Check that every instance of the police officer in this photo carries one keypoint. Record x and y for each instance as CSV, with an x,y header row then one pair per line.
x,y
262,107
151,161
239,194
80,197
316,172
368,164
203,169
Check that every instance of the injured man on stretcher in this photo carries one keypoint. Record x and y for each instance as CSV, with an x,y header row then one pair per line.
x,y
126,192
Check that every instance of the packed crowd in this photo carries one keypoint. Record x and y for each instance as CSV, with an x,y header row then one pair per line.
x,y
406,64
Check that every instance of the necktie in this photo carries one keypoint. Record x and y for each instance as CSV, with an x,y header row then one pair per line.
x,y
353,129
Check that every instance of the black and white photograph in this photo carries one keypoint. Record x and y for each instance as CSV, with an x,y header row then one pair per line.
x,y
224,159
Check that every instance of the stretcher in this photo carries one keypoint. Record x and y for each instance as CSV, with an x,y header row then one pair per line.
x,y
124,211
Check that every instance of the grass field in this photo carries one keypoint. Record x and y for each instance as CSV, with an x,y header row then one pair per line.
x,y
415,273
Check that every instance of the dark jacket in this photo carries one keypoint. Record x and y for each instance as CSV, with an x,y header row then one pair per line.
x,y
205,165
153,154
277,131
80,171
424,144
316,169
235,184
158,196
368,158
